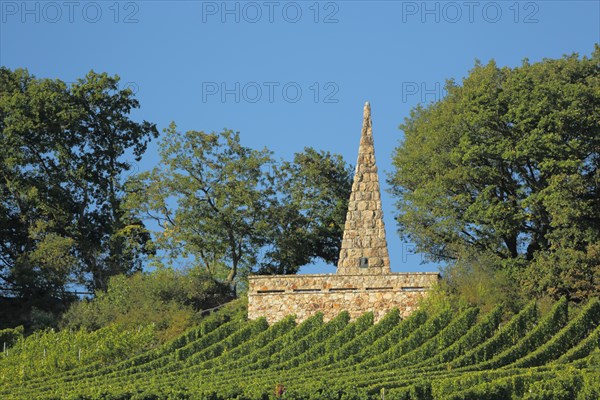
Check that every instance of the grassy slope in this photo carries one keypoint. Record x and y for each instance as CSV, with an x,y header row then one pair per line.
x,y
453,354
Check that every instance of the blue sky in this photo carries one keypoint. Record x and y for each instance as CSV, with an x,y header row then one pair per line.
x,y
290,74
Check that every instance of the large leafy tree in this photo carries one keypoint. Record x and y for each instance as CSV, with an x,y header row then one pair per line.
x,y
308,220
62,163
233,210
506,167
105,141
209,198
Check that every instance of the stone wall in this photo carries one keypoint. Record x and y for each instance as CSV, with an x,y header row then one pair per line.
x,y
304,295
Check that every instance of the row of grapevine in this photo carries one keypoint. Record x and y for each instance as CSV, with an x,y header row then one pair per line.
x,y
453,354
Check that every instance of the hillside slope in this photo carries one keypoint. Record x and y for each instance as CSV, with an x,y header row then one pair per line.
x,y
453,354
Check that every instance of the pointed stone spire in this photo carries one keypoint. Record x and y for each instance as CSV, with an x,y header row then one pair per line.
x,y
364,247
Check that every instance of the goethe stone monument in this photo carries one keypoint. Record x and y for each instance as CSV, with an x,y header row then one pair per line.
x,y
364,281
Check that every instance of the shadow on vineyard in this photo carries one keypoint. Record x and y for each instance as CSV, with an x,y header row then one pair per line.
x,y
451,353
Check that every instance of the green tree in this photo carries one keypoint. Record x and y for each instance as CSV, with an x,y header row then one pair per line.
x,y
308,220
506,166
230,208
61,172
110,240
209,198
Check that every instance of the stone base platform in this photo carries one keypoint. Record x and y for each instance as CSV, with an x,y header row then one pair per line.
x,y
275,297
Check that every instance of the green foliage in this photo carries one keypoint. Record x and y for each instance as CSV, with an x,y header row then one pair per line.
x,y
583,349
209,197
10,336
259,341
401,341
229,208
535,338
307,221
389,322
379,338
506,336
505,169
318,336
49,352
572,334
61,194
477,282
323,352
560,388
445,338
169,299
227,357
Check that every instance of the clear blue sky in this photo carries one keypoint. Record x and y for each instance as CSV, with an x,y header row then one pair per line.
x,y
290,74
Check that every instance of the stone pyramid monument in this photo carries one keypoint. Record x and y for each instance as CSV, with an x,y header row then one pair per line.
x,y
364,247
364,281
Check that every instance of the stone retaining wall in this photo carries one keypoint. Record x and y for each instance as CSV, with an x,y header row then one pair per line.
x,y
304,295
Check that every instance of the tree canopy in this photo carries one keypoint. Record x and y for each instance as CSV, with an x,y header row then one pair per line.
x,y
69,218
233,209
65,150
307,220
505,168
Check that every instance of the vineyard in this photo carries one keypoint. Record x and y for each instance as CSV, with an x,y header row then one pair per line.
x,y
450,354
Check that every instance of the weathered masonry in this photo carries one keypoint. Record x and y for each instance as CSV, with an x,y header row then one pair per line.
x,y
363,281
